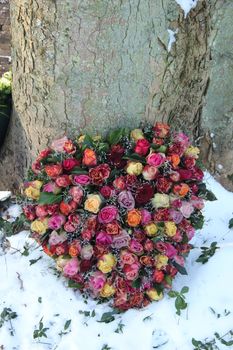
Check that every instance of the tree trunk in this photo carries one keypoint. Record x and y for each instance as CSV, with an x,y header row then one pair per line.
x,y
93,65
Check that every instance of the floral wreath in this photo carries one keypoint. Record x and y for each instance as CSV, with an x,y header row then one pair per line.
x,y
117,213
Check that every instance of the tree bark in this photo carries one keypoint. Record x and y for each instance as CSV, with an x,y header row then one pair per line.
x,y
93,65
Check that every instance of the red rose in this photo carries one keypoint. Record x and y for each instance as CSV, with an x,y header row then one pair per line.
x,y
163,185
41,211
197,174
106,191
149,245
136,299
52,208
113,228
43,154
63,181
162,215
115,156
53,170
177,148
161,129
144,194
189,162
29,212
36,167
158,276
185,174
131,180
99,174
157,141
70,163
142,147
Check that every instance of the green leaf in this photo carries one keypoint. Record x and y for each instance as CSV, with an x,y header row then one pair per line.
x,y
79,171
115,136
33,261
184,290
172,294
108,317
137,283
195,342
67,324
180,268
75,285
49,198
204,193
135,157
230,225
180,303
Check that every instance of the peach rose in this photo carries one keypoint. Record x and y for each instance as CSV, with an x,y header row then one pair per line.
x,y
134,217
92,203
89,157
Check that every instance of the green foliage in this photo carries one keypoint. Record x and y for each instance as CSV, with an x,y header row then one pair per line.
x,y
137,283
225,313
12,228
75,285
115,136
226,340
87,313
108,317
120,327
207,253
49,198
197,220
230,224
147,318
65,328
78,171
41,331
106,347
206,194
180,303
180,268
25,251
6,316
34,261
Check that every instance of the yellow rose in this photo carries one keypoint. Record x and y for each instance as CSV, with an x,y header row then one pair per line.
x,y
81,139
61,262
32,193
160,201
160,261
153,294
137,134
107,291
39,226
192,151
106,263
134,168
93,203
170,228
96,138
37,184
151,229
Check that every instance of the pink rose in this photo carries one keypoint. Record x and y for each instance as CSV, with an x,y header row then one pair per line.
x,y
135,247
103,238
186,209
166,248
126,200
127,258
86,234
176,216
58,145
81,180
76,193
71,267
41,211
155,159
51,187
131,271
97,281
87,252
69,227
121,240
182,139
197,202
56,221
119,183
63,181
175,176
146,216
55,238
179,260
107,214
149,172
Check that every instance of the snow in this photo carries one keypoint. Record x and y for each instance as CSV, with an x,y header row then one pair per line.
x,y
172,38
187,5
210,285
4,195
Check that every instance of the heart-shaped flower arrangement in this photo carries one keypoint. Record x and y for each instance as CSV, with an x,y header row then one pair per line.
x,y
117,213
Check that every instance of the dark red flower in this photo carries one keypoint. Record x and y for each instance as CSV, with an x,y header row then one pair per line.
x,y
142,147
163,184
70,163
144,194
99,174
115,156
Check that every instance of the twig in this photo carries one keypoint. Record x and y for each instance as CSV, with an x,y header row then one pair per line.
x,y
20,281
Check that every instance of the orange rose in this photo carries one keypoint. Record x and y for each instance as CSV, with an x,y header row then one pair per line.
x,y
113,228
89,157
175,160
53,170
134,217
181,189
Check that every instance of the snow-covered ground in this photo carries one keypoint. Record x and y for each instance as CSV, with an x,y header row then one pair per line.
x,y
34,291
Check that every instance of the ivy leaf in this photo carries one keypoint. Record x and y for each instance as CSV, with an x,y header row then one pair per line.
x,y
72,284
180,268
115,136
49,198
108,317
230,225
137,283
78,171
